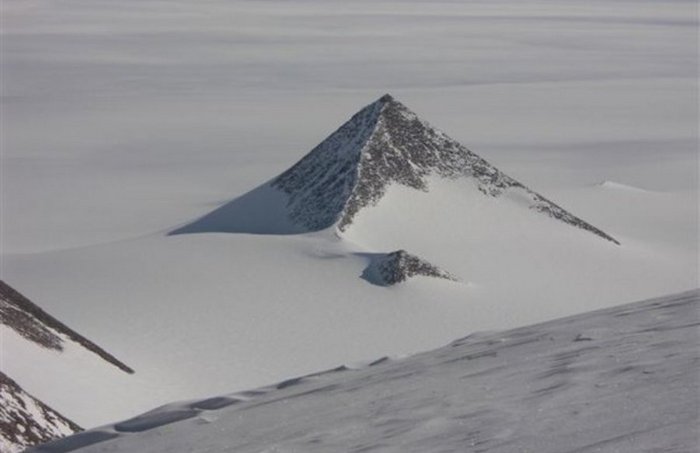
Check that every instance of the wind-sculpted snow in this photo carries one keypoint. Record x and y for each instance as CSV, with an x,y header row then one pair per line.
x,y
622,379
396,267
383,144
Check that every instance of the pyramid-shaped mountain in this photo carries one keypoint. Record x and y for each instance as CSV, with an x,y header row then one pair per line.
x,y
382,145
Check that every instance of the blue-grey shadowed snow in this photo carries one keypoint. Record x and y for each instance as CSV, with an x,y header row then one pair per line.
x,y
74,442
379,361
214,403
289,383
263,210
155,419
338,369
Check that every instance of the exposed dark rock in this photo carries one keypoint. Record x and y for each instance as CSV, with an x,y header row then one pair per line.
x,y
396,267
383,144
26,421
27,319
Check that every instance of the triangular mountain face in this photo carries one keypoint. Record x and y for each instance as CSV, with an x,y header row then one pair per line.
x,y
382,145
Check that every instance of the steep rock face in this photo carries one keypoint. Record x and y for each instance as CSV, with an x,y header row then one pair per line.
x,y
26,421
320,185
396,267
383,144
29,320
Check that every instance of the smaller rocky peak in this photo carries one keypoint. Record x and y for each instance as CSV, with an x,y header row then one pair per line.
x,y
387,269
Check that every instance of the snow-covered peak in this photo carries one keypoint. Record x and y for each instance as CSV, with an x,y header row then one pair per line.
x,y
383,144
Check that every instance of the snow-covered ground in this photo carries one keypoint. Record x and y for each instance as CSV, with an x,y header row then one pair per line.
x,y
124,120
618,380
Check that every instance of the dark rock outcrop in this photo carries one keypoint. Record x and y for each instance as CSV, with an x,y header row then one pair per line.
x,y
395,267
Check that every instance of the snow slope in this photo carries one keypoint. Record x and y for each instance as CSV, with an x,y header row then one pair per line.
x,y
622,379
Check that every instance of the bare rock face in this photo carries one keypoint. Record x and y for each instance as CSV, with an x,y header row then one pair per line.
x,y
395,267
29,320
383,144
26,421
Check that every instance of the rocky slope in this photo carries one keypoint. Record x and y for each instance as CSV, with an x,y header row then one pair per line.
x,y
26,421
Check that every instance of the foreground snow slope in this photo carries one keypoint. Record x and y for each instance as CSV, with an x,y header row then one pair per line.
x,y
623,379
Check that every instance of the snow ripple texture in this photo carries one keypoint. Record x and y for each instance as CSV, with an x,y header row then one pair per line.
x,y
383,144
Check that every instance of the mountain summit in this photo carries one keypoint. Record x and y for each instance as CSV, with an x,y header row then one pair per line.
x,y
383,144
